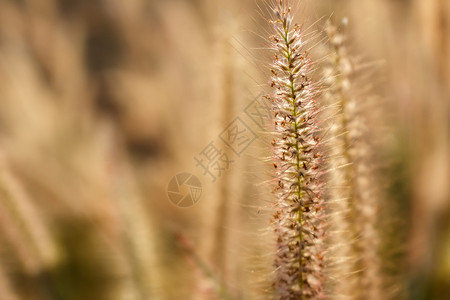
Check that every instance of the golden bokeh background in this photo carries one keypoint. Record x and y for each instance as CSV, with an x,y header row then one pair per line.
x,y
102,102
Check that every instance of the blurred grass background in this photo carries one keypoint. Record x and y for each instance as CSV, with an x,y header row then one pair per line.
x,y
102,102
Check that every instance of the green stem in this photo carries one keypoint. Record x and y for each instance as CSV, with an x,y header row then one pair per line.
x,y
298,159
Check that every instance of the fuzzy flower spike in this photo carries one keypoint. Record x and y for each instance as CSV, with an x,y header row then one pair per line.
x,y
298,221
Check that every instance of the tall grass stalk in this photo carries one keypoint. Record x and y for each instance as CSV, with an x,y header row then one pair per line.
x,y
298,221
25,228
355,193
342,263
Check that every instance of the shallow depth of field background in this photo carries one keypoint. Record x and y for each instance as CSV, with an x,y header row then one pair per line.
x,y
103,102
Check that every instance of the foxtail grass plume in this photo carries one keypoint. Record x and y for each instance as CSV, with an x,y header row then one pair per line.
x,y
354,170
299,218
341,238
